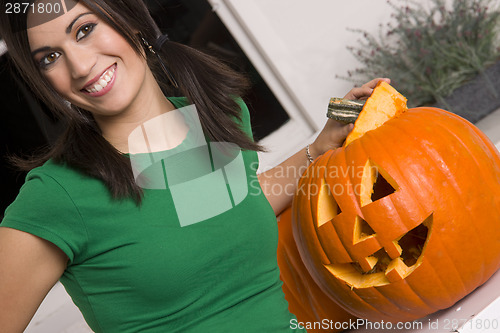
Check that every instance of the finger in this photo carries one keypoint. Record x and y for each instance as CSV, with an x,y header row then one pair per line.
x,y
345,129
343,132
373,83
362,92
348,128
366,89
332,123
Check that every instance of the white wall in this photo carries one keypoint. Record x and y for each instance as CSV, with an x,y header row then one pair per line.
x,y
301,46
307,40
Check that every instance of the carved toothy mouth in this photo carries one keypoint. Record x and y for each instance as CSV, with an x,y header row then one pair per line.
x,y
390,260
385,270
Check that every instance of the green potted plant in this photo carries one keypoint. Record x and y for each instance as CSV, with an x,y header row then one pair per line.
x,y
442,53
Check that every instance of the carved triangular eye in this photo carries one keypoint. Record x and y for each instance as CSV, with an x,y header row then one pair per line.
x,y
327,207
375,184
381,188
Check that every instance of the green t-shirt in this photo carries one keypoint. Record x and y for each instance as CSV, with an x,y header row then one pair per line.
x,y
137,269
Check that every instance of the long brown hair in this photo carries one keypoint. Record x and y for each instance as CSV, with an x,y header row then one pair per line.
x,y
202,79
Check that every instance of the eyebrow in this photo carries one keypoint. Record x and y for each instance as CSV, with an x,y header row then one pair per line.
x,y
68,30
70,26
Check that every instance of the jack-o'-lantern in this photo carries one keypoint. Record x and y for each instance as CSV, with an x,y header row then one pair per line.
x,y
312,307
403,220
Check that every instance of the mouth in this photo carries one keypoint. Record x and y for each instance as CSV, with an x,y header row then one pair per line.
x,y
102,84
385,269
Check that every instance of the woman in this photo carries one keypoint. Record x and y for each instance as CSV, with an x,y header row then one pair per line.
x,y
120,250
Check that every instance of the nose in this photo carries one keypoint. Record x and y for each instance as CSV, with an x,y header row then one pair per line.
x,y
80,62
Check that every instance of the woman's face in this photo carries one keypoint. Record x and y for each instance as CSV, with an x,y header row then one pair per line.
x,y
88,63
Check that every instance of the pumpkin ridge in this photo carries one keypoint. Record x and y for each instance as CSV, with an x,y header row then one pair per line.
x,y
466,146
389,313
343,161
451,180
421,210
481,176
371,136
494,154
319,163
424,301
351,180
320,283
432,308
365,303
464,122
374,140
443,284
429,308
401,132
302,239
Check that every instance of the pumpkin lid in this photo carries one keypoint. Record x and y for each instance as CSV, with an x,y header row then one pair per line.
x,y
385,103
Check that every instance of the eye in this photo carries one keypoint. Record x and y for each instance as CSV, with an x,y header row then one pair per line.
x,y
84,31
376,184
49,59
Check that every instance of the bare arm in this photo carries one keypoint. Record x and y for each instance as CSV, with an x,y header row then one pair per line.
x,y
280,183
29,268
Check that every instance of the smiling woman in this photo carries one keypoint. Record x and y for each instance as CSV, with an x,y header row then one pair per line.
x,y
83,58
91,39
124,252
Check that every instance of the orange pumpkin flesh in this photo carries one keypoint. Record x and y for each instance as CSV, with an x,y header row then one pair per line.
x,y
386,103
403,220
305,299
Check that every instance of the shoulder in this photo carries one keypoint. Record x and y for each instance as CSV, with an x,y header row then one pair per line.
x,y
47,186
55,187
45,206
54,176
54,170
58,170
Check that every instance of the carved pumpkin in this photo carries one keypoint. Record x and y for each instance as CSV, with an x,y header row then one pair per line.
x,y
305,299
404,220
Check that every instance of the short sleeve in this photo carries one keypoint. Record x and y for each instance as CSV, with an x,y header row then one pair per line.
x,y
246,126
44,209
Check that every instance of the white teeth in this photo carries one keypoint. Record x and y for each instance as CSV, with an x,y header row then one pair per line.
x,y
102,82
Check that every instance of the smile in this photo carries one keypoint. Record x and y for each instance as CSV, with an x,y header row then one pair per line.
x,y
103,84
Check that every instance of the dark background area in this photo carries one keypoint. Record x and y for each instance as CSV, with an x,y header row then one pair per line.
x,y
26,124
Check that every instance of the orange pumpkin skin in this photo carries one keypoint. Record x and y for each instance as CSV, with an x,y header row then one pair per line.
x,y
305,299
445,176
